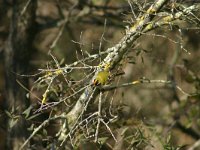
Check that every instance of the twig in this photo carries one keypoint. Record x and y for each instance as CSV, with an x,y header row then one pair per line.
x,y
117,53
44,123
111,87
25,8
99,117
195,145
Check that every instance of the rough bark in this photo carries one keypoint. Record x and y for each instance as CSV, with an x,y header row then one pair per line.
x,y
17,54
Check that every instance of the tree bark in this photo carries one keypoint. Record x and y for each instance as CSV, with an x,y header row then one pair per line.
x,y
17,53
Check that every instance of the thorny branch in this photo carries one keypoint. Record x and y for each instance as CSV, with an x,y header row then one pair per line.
x,y
112,59
115,54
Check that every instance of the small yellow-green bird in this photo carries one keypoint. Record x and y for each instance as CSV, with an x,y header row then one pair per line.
x,y
101,78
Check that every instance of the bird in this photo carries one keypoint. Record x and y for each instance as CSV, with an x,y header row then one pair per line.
x,y
101,78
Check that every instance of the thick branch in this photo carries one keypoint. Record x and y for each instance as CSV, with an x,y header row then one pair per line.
x,y
16,60
114,57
